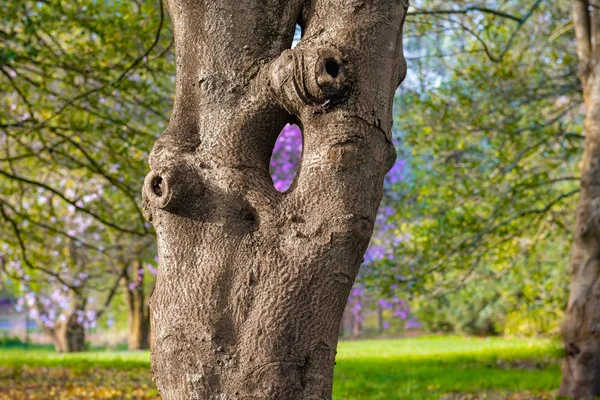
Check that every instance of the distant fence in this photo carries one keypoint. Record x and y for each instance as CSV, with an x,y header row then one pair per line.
x,y
20,326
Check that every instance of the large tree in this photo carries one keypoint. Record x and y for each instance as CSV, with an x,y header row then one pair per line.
x,y
252,282
581,327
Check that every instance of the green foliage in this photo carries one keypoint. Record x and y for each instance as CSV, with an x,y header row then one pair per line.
x,y
527,300
88,87
493,136
9,341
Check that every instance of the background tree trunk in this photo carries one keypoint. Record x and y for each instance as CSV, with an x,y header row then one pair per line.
x,y
69,336
581,327
356,327
252,283
60,344
139,316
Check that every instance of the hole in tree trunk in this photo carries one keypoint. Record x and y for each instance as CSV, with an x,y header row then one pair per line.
x,y
332,68
157,186
286,157
297,36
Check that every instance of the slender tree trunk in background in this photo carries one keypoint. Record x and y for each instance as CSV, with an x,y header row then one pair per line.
x,y
380,318
356,327
581,327
252,283
139,316
344,323
357,318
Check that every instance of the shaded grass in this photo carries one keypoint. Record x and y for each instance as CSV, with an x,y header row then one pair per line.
x,y
419,368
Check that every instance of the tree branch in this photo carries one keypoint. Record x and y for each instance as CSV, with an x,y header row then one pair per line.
x,y
467,10
519,20
113,290
73,203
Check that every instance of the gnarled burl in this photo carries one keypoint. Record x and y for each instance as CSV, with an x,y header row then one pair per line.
x,y
252,283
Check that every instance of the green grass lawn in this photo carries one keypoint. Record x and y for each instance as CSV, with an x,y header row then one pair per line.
x,y
419,368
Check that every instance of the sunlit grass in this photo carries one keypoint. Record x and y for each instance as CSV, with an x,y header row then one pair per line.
x,y
425,368
419,368
48,358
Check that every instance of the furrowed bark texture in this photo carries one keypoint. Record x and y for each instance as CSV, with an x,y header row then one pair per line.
x,y
252,283
581,327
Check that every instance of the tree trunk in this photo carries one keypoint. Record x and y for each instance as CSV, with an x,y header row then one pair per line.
x,y
581,327
60,344
139,316
356,326
252,283
68,336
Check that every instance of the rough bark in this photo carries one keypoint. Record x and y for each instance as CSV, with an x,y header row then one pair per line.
x,y
252,283
581,327
139,315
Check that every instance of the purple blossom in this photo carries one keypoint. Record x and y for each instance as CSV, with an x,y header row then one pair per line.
x,y
110,321
286,157
384,303
396,173
90,315
412,323
151,269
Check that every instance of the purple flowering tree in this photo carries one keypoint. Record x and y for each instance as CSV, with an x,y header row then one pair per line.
x,y
60,314
68,269
355,307
76,123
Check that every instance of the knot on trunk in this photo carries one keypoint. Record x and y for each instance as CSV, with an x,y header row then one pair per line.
x,y
319,78
171,188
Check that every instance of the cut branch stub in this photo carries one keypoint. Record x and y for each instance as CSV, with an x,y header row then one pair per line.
x,y
177,189
158,189
307,76
332,74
